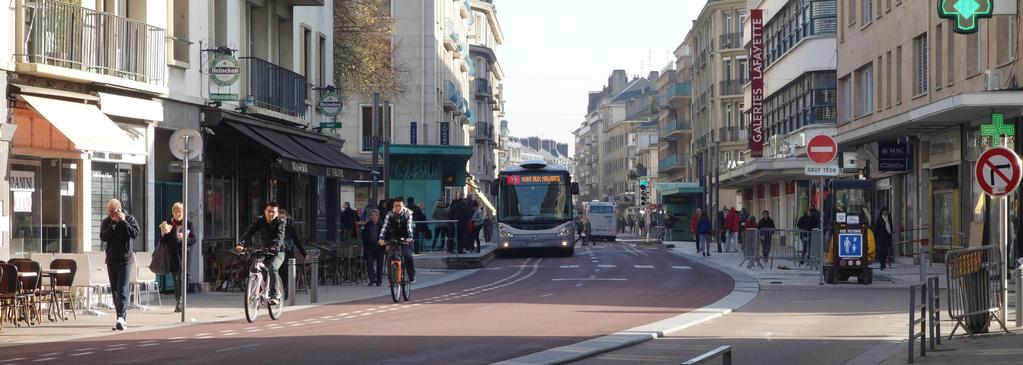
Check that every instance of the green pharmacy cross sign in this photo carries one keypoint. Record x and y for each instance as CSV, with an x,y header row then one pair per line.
x,y
965,13
997,129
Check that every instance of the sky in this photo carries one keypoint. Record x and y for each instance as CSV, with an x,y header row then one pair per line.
x,y
556,51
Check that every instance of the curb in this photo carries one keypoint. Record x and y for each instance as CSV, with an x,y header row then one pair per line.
x,y
743,291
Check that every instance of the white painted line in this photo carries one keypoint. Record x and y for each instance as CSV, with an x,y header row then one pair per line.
x,y
90,348
578,285
546,295
569,266
176,341
51,354
44,359
366,314
607,266
148,344
201,334
204,337
14,359
230,334
334,319
350,317
324,317
314,322
342,314
677,267
226,331
81,354
643,266
297,324
254,330
589,279
237,347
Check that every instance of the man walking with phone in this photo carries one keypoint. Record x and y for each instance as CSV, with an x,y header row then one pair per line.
x,y
118,230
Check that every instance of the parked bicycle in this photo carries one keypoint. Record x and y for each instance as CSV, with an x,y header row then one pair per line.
x,y
257,288
396,278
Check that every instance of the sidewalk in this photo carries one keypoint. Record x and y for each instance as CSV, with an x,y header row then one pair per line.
x,y
903,273
202,308
995,348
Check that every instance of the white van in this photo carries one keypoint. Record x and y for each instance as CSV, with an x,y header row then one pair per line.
x,y
601,218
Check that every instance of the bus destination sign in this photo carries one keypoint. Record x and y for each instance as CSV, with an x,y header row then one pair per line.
x,y
531,179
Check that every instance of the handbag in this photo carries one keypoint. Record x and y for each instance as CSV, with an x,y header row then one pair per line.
x,y
161,260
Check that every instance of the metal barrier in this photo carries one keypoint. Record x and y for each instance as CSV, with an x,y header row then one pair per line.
x,y
934,310
975,295
1019,294
914,320
763,246
724,352
444,232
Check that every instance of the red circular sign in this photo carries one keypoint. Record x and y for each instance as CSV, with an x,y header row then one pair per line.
x,y
821,149
998,171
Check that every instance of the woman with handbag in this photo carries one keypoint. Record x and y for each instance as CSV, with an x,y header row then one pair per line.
x,y
170,240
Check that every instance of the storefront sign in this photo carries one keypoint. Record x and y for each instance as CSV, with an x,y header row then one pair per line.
x,y
22,201
224,74
756,73
892,156
23,181
997,129
944,149
330,104
965,13
445,132
413,131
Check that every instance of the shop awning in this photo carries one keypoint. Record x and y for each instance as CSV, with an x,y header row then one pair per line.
x,y
301,154
85,126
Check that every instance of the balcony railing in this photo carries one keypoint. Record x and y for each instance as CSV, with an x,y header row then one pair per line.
x,y
668,163
731,40
484,132
680,89
676,125
275,87
731,87
70,36
731,134
482,87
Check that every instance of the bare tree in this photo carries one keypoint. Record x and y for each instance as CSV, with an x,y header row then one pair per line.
x,y
364,49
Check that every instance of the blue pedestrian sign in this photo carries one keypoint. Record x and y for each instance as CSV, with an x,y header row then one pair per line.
x,y
850,245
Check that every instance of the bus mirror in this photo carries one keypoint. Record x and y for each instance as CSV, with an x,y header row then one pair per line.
x,y
575,188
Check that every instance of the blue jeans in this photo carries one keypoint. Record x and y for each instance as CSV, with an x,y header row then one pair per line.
x,y
119,275
275,263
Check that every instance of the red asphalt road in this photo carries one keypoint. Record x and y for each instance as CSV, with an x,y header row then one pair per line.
x,y
513,308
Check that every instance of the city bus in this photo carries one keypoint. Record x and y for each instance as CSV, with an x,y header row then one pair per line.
x,y
534,208
601,218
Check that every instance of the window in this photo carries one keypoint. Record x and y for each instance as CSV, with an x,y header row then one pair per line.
x,y
179,24
307,53
972,54
868,11
742,73
898,74
920,65
880,81
299,210
219,222
938,60
795,21
219,18
851,19
889,80
950,51
846,99
1005,39
367,126
324,78
728,115
124,182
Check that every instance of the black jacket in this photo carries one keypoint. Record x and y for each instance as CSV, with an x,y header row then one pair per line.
x,y
269,235
291,238
348,218
766,223
807,223
174,246
458,211
881,232
118,237
370,234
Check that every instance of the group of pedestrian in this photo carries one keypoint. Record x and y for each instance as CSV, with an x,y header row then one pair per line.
x,y
731,222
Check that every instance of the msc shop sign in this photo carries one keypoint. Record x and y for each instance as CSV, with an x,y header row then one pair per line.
x,y
224,74
892,156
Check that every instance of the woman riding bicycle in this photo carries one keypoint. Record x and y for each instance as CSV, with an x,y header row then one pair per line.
x,y
270,236
398,227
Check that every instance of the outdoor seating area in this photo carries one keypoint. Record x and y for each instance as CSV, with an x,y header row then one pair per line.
x,y
58,287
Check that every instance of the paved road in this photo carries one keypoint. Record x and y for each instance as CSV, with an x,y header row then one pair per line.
x,y
833,324
514,307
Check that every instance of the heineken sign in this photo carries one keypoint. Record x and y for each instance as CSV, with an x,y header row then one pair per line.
x,y
224,70
965,14
330,104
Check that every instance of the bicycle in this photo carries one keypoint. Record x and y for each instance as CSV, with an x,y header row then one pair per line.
x,y
399,285
257,287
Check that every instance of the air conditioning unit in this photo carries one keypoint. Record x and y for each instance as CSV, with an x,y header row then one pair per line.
x,y
995,78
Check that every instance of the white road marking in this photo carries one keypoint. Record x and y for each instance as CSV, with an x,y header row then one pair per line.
x,y
607,266
90,348
176,341
226,331
579,285
569,266
366,314
643,266
51,354
325,317
44,359
546,295
589,279
201,334
203,338
317,322
254,330
14,359
677,267
148,344
230,334
81,354
237,347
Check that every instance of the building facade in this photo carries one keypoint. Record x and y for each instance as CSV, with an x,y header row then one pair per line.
x,y
487,93
717,75
674,118
913,94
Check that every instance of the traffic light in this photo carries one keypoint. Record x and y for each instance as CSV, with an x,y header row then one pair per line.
x,y
644,192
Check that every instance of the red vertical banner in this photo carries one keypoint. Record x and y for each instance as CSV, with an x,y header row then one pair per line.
x,y
756,74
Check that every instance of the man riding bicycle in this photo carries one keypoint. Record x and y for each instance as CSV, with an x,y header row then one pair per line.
x,y
398,227
270,236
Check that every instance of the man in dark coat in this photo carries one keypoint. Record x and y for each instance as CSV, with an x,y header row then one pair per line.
x,y
459,212
348,219
766,227
371,250
118,230
883,235
806,224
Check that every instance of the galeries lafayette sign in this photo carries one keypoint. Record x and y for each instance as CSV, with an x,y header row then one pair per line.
x,y
756,127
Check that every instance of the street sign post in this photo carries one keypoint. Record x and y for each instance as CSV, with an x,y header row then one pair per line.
x,y
850,245
998,174
821,149
185,144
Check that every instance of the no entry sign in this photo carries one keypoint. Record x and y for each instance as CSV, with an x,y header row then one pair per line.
x,y
998,171
821,149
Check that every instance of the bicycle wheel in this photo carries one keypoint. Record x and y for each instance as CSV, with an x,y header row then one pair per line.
x,y
394,279
252,296
406,289
277,308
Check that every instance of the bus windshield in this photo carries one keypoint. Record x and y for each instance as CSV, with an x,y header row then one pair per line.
x,y
534,198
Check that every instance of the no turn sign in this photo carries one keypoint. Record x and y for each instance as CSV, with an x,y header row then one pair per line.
x,y
821,149
998,171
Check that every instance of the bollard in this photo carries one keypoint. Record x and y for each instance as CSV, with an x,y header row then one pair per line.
x,y
291,282
314,274
1019,296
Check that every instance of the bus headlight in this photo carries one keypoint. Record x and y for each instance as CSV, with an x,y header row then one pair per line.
x,y
504,232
